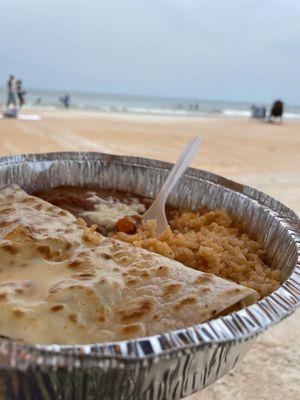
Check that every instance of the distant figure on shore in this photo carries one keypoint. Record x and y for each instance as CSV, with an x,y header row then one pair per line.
x,y
258,112
276,111
11,96
194,107
20,93
65,100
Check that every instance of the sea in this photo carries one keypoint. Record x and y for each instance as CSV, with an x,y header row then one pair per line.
x,y
131,104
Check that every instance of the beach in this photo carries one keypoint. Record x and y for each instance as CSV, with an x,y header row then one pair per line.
x,y
262,155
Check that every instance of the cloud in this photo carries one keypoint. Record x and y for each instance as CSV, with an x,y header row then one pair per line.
x,y
230,49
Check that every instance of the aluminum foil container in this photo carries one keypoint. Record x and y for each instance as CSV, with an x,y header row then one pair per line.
x,y
174,364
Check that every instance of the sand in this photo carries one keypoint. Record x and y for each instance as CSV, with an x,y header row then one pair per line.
x,y
262,155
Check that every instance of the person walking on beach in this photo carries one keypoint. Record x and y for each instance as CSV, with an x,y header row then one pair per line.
x,y
65,100
20,93
11,97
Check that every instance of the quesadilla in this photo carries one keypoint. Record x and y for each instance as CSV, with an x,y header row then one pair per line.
x,y
62,282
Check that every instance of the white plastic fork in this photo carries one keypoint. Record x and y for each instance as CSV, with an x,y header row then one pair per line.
x,y
157,209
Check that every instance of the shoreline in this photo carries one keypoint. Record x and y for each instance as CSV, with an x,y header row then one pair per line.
x,y
52,111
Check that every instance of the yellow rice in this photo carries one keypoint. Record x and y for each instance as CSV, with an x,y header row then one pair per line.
x,y
210,241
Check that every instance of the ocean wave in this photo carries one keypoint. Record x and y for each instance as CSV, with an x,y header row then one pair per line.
x,y
48,107
236,113
291,115
143,110
140,110
245,113
148,110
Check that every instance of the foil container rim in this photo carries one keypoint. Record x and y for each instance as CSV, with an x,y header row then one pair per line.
x,y
263,198
237,326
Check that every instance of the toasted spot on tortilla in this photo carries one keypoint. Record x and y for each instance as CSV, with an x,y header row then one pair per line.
x,y
73,318
75,263
10,248
171,288
7,210
4,224
131,329
205,290
137,311
17,313
162,270
57,307
185,302
204,278
131,281
68,245
3,296
106,256
44,250
84,276
62,213
232,291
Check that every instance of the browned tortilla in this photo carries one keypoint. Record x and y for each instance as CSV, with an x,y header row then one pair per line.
x,y
62,282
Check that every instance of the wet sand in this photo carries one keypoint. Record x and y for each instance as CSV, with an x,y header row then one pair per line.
x,y
262,155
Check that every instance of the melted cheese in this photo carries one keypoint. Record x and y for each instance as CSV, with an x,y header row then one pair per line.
x,y
107,214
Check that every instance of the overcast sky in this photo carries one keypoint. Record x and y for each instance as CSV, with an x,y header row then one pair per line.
x,y
222,49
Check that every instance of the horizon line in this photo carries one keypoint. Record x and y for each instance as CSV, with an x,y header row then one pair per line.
x,y
80,91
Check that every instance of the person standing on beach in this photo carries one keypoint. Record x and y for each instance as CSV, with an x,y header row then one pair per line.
x,y
11,97
20,93
65,100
